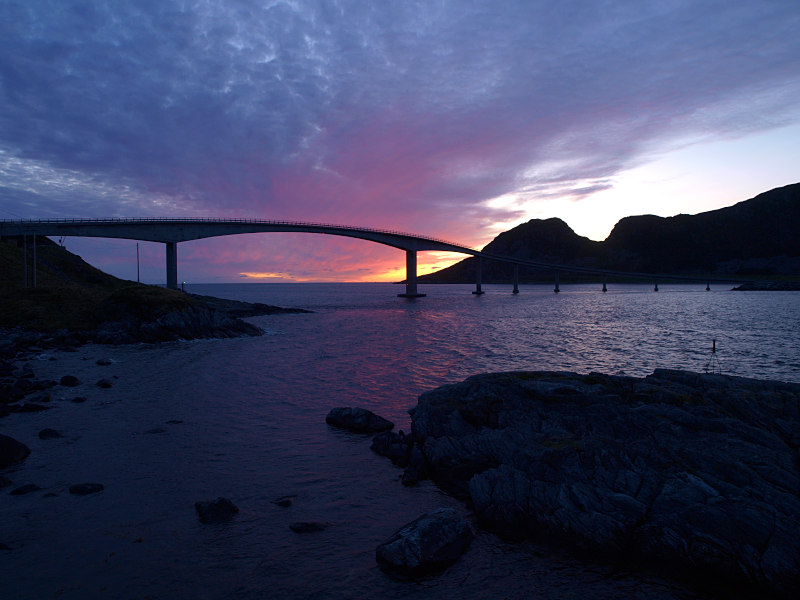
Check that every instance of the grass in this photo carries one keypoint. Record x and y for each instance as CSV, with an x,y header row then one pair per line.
x,y
70,293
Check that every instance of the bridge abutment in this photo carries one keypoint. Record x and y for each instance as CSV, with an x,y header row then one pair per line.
x,y
172,265
411,276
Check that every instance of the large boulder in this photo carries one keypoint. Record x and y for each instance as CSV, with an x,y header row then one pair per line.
x,y
430,543
359,420
11,451
699,472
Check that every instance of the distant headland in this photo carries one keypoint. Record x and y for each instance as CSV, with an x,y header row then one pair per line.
x,y
754,239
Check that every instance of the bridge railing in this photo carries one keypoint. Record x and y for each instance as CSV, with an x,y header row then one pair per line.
x,y
188,220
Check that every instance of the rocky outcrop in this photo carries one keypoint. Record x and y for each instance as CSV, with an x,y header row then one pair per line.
x,y
194,322
358,420
430,543
699,472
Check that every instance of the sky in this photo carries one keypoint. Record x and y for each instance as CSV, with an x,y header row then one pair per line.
x,y
456,119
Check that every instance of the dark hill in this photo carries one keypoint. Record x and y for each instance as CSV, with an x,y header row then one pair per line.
x,y
75,302
755,238
549,240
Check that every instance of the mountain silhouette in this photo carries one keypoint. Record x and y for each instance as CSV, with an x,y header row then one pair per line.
x,y
759,237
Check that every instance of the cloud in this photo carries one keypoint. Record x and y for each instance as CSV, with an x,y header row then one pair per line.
x,y
410,115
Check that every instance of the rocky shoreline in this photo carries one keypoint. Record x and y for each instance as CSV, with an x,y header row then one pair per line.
x,y
209,318
694,475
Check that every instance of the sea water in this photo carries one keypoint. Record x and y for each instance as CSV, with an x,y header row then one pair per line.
x,y
245,419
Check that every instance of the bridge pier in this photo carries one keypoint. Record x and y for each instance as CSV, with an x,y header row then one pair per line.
x,y
172,265
411,276
478,277
555,289
516,280
605,289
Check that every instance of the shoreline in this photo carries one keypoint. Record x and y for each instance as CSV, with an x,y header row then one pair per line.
x,y
215,318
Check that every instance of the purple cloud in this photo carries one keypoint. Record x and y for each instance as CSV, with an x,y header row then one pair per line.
x,y
406,115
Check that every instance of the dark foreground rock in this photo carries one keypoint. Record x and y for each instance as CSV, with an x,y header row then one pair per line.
x,y
430,543
215,511
697,472
359,420
11,451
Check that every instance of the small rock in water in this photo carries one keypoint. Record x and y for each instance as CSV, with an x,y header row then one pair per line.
x,y
105,383
308,526
70,381
49,434
215,511
359,420
79,399
84,489
104,361
285,501
25,489
430,543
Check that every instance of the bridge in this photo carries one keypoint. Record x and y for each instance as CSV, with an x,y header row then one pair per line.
x,y
172,231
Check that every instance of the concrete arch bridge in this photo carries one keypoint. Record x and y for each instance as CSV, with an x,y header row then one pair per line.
x,y
172,231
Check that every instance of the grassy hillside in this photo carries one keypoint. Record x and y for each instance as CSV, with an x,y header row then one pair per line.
x,y
70,293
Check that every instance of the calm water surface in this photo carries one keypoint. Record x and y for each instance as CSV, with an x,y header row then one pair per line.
x,y
244,418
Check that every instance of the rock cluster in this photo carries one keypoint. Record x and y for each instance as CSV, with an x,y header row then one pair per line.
x,y
699,472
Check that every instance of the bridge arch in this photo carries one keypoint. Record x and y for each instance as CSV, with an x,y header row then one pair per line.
x,y
173,231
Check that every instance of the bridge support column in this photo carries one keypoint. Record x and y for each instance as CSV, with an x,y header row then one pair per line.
x,y
411,276
655,288
172,265
516,280
34,260
478,277
556,289
25,259
605,289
